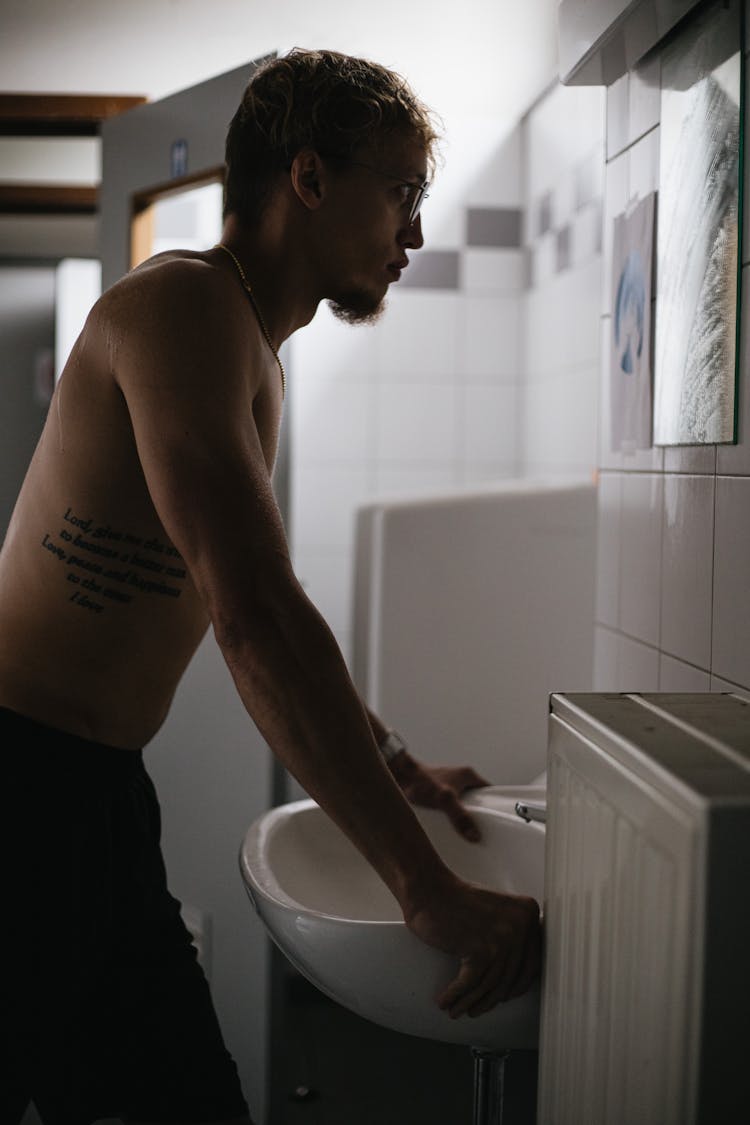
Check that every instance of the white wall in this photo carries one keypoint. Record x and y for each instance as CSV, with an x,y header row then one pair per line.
x,y
78,284
426,399
496,377
674,548
563,144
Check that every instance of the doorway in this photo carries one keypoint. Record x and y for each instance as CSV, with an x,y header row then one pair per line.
x,y
184,216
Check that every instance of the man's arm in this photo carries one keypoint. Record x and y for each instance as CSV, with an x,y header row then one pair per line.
x,y
184,375
432,787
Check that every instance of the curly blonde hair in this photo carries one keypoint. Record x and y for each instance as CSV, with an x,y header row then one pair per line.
x,y
331,102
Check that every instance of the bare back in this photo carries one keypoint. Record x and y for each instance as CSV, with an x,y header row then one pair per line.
x,y
99,611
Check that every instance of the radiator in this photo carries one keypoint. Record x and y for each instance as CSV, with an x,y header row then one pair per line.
x,y
646,985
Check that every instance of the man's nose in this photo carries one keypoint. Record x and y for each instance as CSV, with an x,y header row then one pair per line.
x,y
412,234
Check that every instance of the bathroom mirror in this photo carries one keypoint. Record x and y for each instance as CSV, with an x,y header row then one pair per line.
x,y
698,231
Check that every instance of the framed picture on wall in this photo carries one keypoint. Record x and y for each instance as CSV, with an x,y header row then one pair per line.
x,y
698,231
630,370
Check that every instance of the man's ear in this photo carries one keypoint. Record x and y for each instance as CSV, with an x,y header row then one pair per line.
x,y
308,178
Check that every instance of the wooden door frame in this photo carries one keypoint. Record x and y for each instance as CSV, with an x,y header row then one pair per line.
x,y
144,201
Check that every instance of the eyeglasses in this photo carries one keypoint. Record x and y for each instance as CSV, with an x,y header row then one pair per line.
x,y
414,193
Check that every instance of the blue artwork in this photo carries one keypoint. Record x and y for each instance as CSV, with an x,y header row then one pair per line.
x,y
630,303
630,368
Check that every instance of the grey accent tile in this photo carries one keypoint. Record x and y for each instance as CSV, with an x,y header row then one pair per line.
x,y
494,226
544,214
433,269
563,250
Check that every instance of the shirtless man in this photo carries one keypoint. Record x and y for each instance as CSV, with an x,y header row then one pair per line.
x,y
147,515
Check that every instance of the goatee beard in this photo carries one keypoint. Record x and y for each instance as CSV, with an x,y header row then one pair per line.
x,y
357,308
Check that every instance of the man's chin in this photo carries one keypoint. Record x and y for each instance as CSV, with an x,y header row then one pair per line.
x,y
358,308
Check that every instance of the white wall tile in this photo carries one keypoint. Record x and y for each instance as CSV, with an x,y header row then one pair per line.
x,y
616,192
394,482
609,498
330,420
606,649
644,167
644,97
327,578
690,459
546,154
490,427
719,685
643,460
563,198
481,168
580,411
476,159
637,666
618,106
543,263
640,555
559,423
560,132
324,502
543,330
499,271
444,222
731,459
491,344
674,675
416,423
329,348
484,472
419,336
586,234
731,620
583,286
561,323
608,458
687,568
497,183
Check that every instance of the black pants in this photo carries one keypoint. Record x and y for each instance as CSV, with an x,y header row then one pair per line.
x,y
104,1011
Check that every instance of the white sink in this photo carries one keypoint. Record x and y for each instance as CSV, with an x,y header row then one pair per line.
x,y
335,920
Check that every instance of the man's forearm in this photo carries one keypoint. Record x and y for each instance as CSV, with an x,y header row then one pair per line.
x,y
294,683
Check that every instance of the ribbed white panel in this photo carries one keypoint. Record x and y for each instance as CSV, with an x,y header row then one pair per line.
x,y
620,1018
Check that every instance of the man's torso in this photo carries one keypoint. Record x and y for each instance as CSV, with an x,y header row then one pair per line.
x,y
98,613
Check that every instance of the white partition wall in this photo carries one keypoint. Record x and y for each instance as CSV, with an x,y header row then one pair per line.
x,y
470,609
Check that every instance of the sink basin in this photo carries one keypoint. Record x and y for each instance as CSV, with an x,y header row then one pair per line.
x,y
339,925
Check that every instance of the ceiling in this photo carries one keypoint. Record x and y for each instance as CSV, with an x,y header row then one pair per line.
x,y
480,59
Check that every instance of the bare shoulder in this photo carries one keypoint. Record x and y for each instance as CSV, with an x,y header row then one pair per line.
x,y
177,311
169,286
182,274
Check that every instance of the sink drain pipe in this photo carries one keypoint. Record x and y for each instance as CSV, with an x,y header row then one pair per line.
x,y
489,1086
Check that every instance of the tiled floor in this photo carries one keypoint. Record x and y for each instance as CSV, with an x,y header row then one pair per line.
x,y
332,1068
